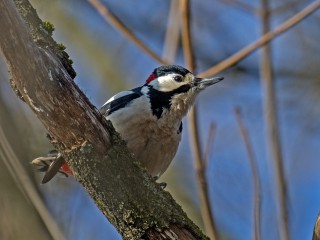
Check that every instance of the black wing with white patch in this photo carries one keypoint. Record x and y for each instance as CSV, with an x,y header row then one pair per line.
x,y
119,101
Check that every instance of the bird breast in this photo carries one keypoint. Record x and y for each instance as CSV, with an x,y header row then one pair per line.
x,y
154,142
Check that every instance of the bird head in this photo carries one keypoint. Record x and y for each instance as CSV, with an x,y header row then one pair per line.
x,y
175,88
173,78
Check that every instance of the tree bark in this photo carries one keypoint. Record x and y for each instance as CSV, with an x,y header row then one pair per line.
x,y
41,74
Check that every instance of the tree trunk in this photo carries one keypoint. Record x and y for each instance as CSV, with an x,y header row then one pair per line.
x,y
41,74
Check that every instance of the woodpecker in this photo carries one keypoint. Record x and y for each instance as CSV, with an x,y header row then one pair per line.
x,y
148,118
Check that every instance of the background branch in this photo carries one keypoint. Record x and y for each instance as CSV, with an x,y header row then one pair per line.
x,y
116,22
199,165
26,186
208,146
232,60
255,174
272,132
172,37
267,37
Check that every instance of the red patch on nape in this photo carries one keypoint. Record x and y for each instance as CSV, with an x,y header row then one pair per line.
x,y
151,77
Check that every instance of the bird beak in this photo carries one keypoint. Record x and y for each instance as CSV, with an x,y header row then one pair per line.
x,y
202,83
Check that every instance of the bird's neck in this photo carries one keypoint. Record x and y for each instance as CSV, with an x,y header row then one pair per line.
x,y
169,103
180,104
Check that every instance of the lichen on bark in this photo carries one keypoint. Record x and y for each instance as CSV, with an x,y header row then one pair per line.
x,y
41,32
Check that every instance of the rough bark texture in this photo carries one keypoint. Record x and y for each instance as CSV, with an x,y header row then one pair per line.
x,y
41,75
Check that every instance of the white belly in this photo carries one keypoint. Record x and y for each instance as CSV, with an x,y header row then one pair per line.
x,y
152,142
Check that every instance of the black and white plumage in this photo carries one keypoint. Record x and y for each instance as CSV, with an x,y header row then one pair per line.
x,y
149,118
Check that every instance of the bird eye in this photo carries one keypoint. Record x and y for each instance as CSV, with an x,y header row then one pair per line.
x,y
178,78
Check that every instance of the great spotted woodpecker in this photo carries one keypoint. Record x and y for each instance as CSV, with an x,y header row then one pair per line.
x,y
148,118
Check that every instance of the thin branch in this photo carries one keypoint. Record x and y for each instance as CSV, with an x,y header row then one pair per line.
x,y
116,23
186,34
199,165
208,146
255,174
26,185
205,206
172,37
272,132
229,62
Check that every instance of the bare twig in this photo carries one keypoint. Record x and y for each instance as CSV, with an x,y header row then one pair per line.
x,y
235,58
186,34
270,116
115,22
25,184
194,130
227,63
208,146
255,174
172,37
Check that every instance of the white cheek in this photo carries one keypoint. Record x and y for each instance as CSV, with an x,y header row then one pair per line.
x,y
166,84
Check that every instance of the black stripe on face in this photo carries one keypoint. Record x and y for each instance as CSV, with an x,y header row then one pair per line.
x,y
160,100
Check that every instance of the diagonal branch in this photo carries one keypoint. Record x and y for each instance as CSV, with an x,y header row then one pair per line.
x,y
25,184
116,22
130,199
235,58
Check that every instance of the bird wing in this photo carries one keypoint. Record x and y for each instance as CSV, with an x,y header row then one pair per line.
x,y
119,101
